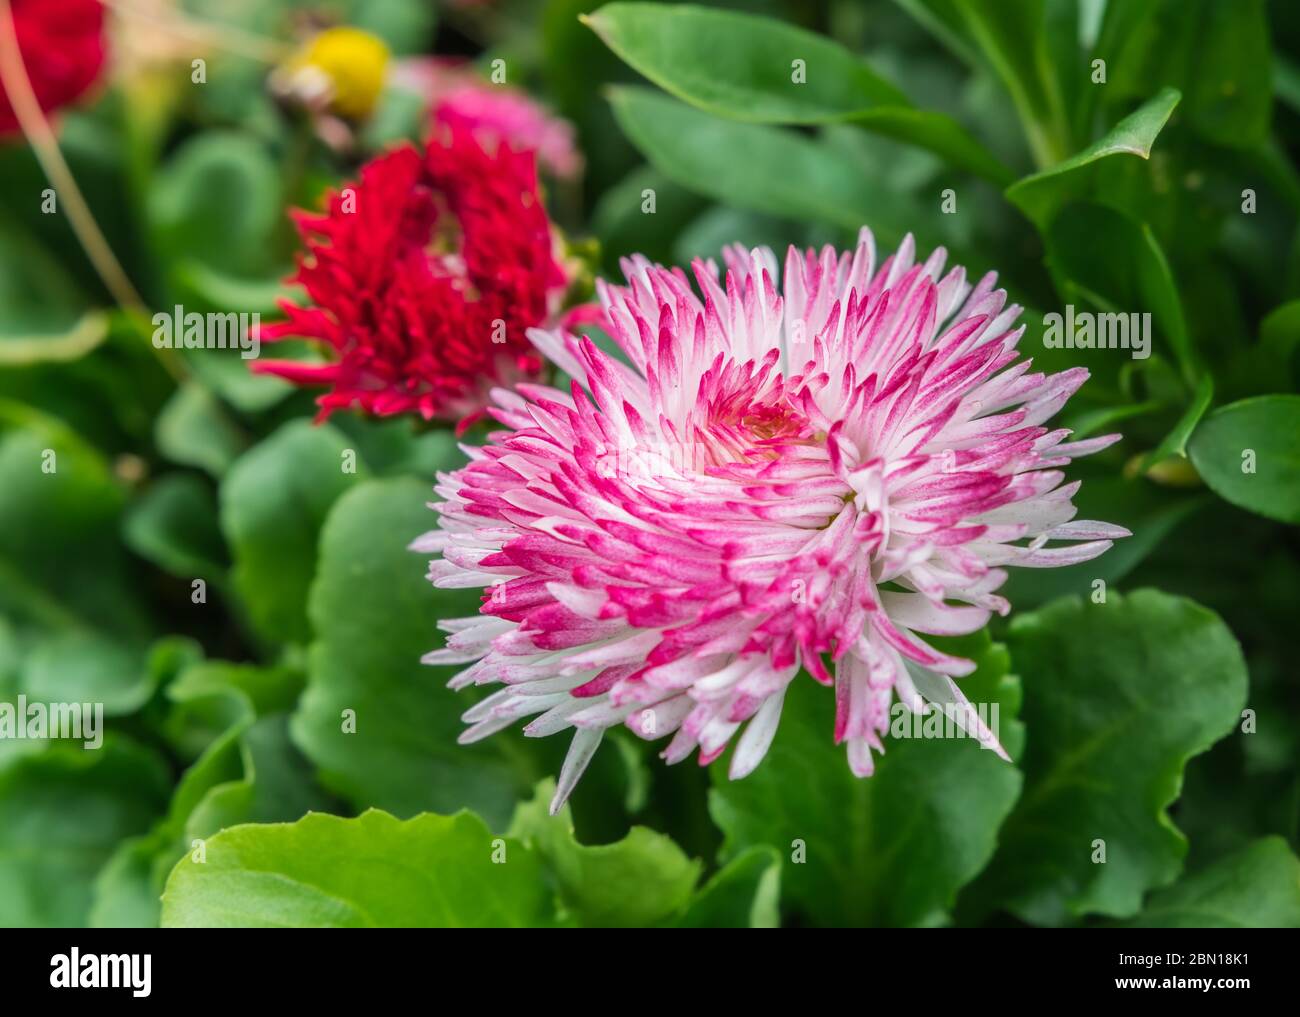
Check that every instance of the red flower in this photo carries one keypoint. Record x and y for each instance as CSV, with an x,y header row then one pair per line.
x,y
62,45
424,278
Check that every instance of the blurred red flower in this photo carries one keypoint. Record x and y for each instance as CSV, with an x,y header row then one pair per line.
x,y
424,278
62,45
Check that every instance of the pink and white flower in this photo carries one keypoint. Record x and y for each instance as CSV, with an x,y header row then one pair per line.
x,y
498,114
813,477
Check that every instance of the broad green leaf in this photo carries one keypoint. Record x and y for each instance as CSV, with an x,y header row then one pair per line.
x,y
1118,696
743,67
174,525
1217,52
210,699
247,773
230,376
228,372
276,783
86,667
781,173
891,849
374,870
62,812
195,430
394,447
218,200
1256,888
1040,196
744,894
380,726
273,504
1249,454
641,880
61,564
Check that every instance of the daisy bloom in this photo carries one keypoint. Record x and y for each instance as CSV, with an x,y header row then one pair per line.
x,y
461,98
62,48
423,279
813,477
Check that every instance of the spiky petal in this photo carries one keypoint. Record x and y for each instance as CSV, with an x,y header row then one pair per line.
x,y
818,476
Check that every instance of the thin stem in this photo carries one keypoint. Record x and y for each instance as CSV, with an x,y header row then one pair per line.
x,y
18,87
36,127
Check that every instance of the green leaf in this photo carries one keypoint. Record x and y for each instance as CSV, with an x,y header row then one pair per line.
x,y
641,880
218,200
273,504
1118,696
744,894
247,773
1268,427
86,667
1279,336
211,289
62,812
1012,36
44,315
89,331
375,615
1258,887
1040,196
61,564
1175,442
892,849
405,25
752,76
1120,22
392,447
174,525
374,870
1101,255
194,430
782,173
1217,52
227,372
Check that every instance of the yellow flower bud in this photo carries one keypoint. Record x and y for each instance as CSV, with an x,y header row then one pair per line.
x,y
348,63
